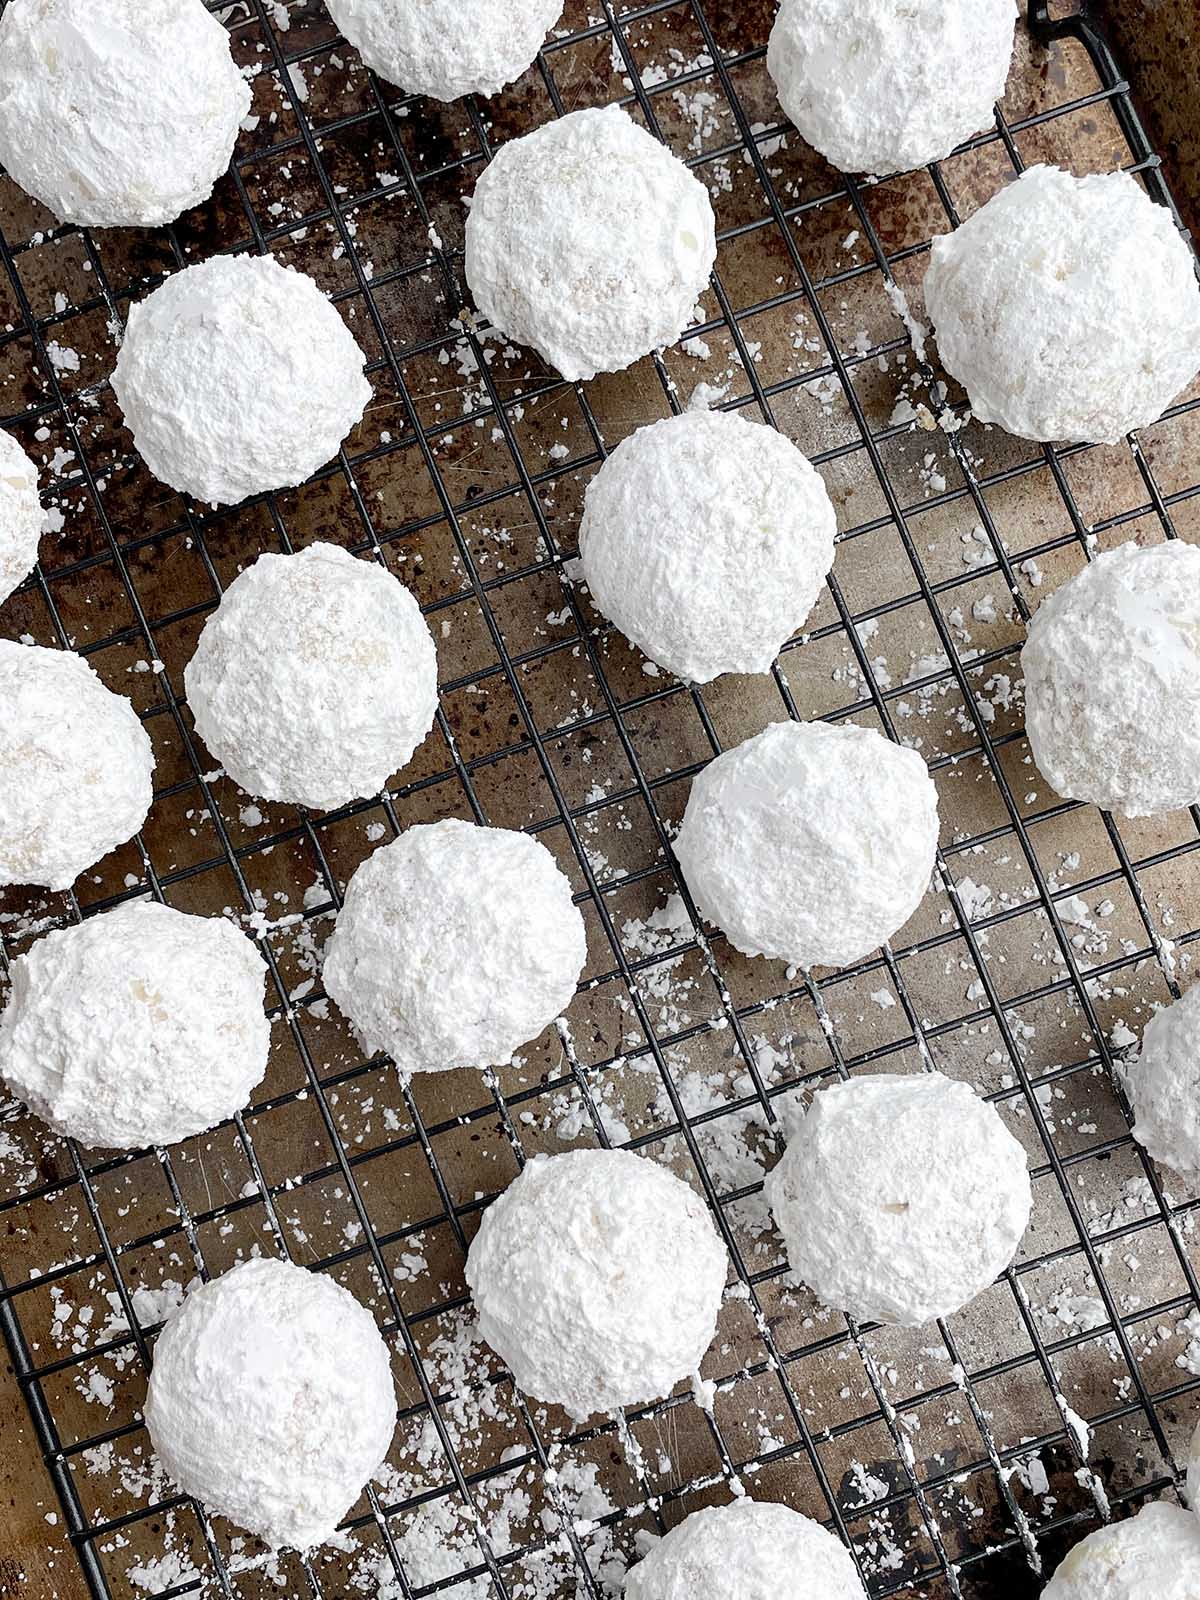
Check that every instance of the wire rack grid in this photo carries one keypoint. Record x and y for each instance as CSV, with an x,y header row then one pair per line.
x,y
476,508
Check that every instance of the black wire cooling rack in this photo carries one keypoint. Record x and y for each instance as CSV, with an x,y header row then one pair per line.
x,y
952,1507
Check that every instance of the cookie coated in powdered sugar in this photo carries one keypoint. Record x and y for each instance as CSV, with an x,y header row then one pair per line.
x,y
271,1400
237,376
751,1549
881,86
1164,1085
706,539
598,1278
900,1198
21,516
1067,308
447,48
117,113
75,767
1112,681
315,679
809,843
455,946
1152,1556
138,1027
590,241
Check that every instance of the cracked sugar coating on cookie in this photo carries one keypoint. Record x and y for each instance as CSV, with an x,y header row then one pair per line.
x,y
315,679
590,241
21,515
880,86
271,1400
899,1199
598,1277
1152,1556
1165,1085
1067,308
706,539
139,1027
447,48
810,844
747,1550
456,945
237,376
114,117
75,767
1112,681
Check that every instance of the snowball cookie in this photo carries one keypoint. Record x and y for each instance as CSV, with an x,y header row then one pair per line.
x,y
1165,1086
21,517
455,946
1067,307
1153,1556
1112,681
237,376
271,1400
597,1276
139,1027
747,1550
810,844
114,116
884,85
75,767
590,241
315,679
706,539
900,1198
447,48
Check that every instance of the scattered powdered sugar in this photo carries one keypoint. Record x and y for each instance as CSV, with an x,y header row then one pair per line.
x,y
751,1548
21,515
1067,307
315,679
706,539
590,241
809,843
447,48
271,1400
468,987
900,1198
141,1026
238,376
1112,681
598,1277
153,113
63,734
877,86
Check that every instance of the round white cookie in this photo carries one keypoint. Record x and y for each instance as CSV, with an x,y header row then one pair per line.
x,y
237,376
810,844
315,679
76,767
900,1198
138,1027
447,48
1067,308
455,946
706,539
598,1278
114,117
1165,1085
590,241
884,85
1152,1556
1112,681
271,1400
747,1550
21,515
